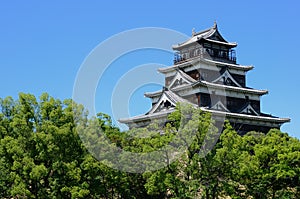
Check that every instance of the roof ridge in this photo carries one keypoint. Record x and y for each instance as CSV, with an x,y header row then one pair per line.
x,y
260,91
203,31
214,27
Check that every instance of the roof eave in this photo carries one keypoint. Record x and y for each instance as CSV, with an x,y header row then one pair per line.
x,y
251,117
153,94
231,44
244,90
191,60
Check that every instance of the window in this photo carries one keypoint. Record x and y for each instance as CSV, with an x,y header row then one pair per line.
x,y
205,100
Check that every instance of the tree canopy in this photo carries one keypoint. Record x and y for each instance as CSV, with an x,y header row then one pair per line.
x,y
43,155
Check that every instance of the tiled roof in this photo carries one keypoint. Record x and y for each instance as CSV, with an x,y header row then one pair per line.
x,y
214,112
192,61
233,88
248,117
205,34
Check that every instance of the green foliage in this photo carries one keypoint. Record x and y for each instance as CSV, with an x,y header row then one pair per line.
x,y
43,156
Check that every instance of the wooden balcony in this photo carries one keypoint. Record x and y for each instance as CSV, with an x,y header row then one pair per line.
x,y
228,56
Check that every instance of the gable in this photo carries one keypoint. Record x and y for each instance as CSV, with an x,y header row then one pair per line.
x,y
220,107
217,36
249,110
227,79
164,103
178,82
181,79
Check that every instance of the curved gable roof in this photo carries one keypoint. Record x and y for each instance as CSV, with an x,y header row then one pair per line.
x,y
181,77
226,75
212,35
168,96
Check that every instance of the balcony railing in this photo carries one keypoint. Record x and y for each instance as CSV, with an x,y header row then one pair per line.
x,y
208,53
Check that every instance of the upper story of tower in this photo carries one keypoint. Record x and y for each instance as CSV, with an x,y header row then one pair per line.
x,y
208,44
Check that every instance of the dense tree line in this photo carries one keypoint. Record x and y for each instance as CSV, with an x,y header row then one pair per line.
x,y
42,156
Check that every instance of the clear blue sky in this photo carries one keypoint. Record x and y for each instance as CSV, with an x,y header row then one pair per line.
x,y
43,44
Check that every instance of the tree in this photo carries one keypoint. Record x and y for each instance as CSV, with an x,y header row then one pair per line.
x,y
48,149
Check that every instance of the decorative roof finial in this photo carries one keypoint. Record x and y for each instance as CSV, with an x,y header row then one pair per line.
x,y
215,24
193,32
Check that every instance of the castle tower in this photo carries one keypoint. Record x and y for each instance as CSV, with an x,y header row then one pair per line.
x,y
206,75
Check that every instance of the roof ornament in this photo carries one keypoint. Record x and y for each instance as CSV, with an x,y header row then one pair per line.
x,y
215,25
193,32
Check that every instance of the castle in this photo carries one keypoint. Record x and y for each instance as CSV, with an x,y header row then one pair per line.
x,y
205,74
